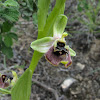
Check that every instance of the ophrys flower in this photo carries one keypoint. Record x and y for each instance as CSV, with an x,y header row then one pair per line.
x,y
55,48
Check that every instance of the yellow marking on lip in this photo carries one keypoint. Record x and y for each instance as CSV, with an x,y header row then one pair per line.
x,y
64,62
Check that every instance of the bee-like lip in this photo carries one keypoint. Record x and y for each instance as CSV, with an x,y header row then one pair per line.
x,y
60,49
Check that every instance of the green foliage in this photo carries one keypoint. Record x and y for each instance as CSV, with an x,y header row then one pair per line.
x,y
9,14
10,3
6,26
90,9
0,38
6,39
13,36
22,89
27,8
7,51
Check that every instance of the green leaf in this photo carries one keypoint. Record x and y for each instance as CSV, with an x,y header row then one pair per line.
x,y
7,51
4,91
62,9
59,26
79,8
8,41
11,3
42,45
85,3
10,14
98,6
43,6
30,4
6,27
0,38
13,35
35,20
22,88
89,15
48,29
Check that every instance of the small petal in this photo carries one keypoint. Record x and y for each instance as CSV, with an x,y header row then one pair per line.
x,y
54,58
72,52
59,26
64,35
42,45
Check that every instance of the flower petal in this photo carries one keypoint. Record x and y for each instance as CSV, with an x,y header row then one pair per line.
x,y
72,52
59,26
42,45
53,58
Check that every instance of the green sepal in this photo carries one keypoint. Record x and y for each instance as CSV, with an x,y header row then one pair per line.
x,y
59,26
42,45
22,88
4,91
72,52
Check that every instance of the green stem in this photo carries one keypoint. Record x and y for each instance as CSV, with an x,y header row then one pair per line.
x,y
36,57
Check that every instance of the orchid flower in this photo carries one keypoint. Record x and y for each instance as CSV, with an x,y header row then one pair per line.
x,y
6,80
55,48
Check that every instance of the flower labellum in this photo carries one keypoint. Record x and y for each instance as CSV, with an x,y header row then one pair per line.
x,y
55,48
58,53
4,81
